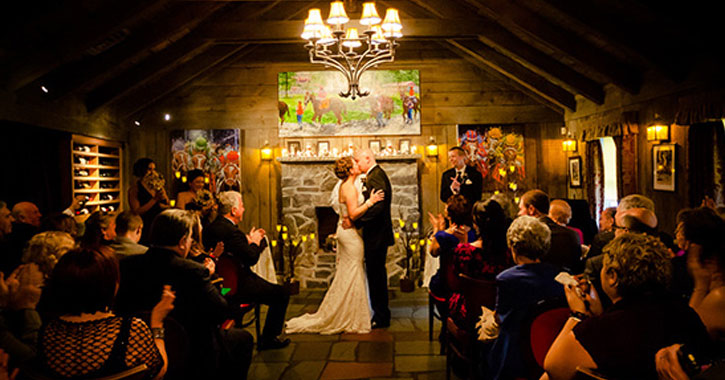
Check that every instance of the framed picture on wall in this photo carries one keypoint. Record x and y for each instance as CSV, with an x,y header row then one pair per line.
x,y
404,147
575,171
663,167
374,145
323,147
293,147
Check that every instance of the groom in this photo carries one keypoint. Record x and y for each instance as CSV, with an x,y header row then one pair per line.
x,y
377,234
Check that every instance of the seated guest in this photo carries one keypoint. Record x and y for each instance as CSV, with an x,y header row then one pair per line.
x,y
6,227
19,321
703,232
100,230
560,212
128,232
245,249
60,222
565,251
45,248
199,308
205,205
484,258
195,182
445,240
519,289
621,342
25,225
606,232
88,340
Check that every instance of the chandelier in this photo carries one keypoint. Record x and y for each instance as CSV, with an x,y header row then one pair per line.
x,y
347,51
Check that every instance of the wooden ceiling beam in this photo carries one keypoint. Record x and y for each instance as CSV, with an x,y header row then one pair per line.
x,y
555,38
515,71
92,69
163,85
75,39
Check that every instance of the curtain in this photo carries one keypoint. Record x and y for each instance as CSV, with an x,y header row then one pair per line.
x,y
626,164
595,177
706,161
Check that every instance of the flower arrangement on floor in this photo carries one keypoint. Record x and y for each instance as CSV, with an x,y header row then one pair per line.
x,y
290,247
409,236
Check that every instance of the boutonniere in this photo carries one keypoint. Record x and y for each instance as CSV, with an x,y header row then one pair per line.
x,y
468,182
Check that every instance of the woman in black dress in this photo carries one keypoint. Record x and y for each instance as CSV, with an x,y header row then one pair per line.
x,y
147,196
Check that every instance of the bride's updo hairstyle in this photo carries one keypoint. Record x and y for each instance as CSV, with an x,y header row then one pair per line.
x,y
343,165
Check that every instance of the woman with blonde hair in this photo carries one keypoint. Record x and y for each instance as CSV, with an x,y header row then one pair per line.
x,y
46,248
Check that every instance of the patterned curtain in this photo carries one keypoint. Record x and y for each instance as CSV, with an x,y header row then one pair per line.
x,y
626,164
706,161
595,177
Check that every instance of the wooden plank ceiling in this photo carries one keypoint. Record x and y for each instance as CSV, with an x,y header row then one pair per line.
x,y
129,54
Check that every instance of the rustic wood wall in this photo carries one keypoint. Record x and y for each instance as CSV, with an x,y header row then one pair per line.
x,y
244,96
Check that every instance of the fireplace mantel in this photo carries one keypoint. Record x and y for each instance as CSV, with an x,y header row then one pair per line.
x,y
319,160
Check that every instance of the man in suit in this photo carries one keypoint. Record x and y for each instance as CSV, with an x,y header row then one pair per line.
x,y
199,306
245,249
461,178
377,231
565,251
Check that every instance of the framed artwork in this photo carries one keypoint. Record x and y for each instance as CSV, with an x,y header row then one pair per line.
x,y
404,146
293,147
309,104
216,152
374,145
497,152
575,171
663,165
323,147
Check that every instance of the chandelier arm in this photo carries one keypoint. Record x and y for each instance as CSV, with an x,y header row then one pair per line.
x,y
330,62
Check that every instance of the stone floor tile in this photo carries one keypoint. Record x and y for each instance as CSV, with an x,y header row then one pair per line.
x,y
376,335
343,351
312,351
414,335
347,370
401,324
313,338
439,375
400,312
281,355
419,363
266,371
375,352
305,370
417,347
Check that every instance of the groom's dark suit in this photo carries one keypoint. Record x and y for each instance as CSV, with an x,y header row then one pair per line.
x,y
377,234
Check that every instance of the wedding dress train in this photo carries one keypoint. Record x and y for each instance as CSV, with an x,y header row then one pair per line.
x,y
345,307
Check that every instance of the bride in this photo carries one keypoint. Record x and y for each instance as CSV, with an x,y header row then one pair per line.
x,y
345,307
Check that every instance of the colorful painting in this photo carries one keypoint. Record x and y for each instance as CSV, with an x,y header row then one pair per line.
x,y
497,152
214,151
309,104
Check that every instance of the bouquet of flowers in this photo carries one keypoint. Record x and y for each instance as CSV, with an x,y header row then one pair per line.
x,y
153,180
204,198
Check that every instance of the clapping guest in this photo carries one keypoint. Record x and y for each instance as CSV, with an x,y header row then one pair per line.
x,y
46,248
19,321
621,342
88,339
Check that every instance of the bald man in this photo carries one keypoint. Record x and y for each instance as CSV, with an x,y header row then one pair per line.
x,y
26,224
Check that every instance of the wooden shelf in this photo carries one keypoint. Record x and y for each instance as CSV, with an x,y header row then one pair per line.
x,y
98,149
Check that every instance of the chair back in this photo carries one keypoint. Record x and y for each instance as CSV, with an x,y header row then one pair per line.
x,y
228,269
539,331
477,293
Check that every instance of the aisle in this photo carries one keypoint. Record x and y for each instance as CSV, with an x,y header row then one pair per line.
x,y
401,351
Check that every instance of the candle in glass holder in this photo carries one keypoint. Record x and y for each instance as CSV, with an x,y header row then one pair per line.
x,y
279,227
274,243
284,236
304,238
415,225
312,236
172,202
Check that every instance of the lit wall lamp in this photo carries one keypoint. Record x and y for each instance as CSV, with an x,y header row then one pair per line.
x,y
432,148
266,152
658,132
568,145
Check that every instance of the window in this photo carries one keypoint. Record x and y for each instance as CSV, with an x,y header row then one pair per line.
x,y
609,156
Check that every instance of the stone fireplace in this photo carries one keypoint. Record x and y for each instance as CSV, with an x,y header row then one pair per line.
x,y
306,187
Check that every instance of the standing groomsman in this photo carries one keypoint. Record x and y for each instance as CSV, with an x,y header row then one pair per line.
x,y
461,178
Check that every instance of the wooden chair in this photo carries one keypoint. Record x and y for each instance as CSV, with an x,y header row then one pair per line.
x,y
588,374
538,332
461,342
448,278
135,373
227,268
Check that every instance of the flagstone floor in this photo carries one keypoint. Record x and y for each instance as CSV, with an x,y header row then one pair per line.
x,y
401,351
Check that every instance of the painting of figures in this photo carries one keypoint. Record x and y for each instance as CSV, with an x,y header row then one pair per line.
x,y
497,151
309,104
213,151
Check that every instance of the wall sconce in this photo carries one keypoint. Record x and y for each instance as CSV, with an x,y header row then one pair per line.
x,y
568,145
658,132
432,148
266,152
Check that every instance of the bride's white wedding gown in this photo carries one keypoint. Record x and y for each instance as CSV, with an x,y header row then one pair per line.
x,y
345,307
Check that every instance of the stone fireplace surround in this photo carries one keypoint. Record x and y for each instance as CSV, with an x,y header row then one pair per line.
x,y
307,184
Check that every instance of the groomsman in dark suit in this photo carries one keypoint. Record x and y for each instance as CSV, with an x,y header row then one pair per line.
x,y
377,231
245,249
461,178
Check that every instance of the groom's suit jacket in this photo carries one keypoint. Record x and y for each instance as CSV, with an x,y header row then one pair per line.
x,y
376,222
